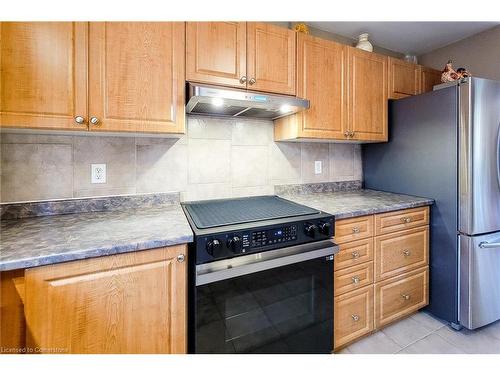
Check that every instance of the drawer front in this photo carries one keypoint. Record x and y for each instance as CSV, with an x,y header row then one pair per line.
x,y
353,316
390,222
352,278
401,252
354,253
400,296
353,229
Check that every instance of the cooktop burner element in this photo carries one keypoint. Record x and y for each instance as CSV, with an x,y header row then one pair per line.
x,y
216,213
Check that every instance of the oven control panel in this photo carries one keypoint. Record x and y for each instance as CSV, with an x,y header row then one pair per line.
x,y
229,244
273,236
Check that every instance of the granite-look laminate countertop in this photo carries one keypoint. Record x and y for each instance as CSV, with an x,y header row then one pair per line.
x,y
345,204
37,241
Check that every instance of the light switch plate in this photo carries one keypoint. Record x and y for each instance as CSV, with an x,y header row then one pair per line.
x,y
98,173
317,167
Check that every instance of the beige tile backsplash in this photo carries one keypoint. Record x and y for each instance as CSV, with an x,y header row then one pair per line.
x,y
218,158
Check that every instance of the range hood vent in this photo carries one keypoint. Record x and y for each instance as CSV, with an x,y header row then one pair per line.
x,y
218,101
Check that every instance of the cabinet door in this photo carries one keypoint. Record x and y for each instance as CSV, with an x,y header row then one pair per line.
x,y
353,316
216,53
367,95
136,76
43,74
271,58
127,303
321,78
429,78
404,79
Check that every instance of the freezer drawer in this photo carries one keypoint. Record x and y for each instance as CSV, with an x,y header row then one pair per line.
x,y
479,280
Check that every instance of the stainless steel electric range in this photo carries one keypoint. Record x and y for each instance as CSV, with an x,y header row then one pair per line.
x,y
261,277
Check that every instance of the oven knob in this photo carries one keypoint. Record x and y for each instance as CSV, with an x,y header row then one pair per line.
x,y
213,246
234,244
311,230
324,228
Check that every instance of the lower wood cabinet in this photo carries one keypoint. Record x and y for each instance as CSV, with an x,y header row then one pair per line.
x,y
381,271
401,252
353,278
127,303
353,315
400,296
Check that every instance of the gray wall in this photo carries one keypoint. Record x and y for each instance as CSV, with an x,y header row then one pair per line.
x,y
217,158
480,54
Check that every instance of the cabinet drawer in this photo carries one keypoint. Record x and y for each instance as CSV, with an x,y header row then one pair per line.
x,y
399,220
353,278
353,316
400,296
401,252
354,253
352,229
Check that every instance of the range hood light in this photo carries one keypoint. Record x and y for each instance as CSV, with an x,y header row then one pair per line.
x,y
285,108
217,102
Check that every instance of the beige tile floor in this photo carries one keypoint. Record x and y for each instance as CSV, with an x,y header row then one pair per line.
x,y
423,334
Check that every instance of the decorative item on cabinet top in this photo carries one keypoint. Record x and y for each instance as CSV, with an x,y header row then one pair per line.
x,y
364,43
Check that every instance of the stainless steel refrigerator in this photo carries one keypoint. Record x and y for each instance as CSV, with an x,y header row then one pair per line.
x,y
445,145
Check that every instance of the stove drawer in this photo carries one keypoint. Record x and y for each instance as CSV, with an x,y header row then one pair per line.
x,y
400,296
354,253
353,229
353,316
353,278
390,222
401,252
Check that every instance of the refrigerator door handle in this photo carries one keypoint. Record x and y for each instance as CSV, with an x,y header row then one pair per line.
x,y
489,245
498,156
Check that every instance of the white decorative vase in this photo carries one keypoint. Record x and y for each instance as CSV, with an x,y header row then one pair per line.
x,y
364,43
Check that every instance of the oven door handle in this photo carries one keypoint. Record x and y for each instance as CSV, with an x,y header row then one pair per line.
x,y
243,265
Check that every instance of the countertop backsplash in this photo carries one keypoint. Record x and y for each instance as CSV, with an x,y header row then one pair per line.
x,y
218,158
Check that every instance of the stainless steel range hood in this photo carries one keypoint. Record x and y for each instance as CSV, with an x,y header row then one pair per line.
x,y
218,101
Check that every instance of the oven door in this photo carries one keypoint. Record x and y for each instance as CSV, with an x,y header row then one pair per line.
x,y
279,301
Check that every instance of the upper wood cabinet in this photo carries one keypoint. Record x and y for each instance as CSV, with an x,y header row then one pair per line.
x,y
367,99
321,78
136,76
271,58
117,76
404,78
256,56
216,53
126,303
43,74
429,78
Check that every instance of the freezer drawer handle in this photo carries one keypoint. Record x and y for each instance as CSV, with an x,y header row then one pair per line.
x,y
488,245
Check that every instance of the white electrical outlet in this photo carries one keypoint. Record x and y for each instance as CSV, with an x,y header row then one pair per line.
x,y
98,173
317,167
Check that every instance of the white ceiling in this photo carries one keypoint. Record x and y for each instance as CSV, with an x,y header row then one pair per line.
x,y
407,37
